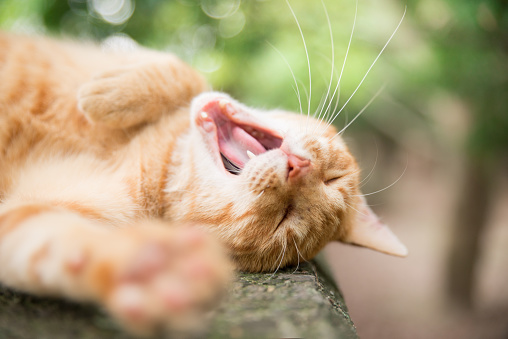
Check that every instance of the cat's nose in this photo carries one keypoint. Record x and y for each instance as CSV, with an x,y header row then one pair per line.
x,y
297,167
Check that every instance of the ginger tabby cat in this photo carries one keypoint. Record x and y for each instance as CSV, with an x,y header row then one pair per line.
x,y
121,179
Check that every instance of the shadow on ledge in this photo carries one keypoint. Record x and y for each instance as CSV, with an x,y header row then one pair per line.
x,y
303,304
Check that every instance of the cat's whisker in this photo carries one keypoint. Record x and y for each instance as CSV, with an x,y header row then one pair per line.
x,y
325,117
281,260
336,101
348,205
298,257
343,66
322,117
308,60
333,61
306,92
299,253
371,66
362,183
322,102
387,187
260,194
280,254
362,110
247,195
372,205
297,89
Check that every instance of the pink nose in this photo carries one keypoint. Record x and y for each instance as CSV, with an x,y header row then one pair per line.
x,y
297,166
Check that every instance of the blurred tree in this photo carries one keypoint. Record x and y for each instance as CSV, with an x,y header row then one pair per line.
x,y
471,50
478,70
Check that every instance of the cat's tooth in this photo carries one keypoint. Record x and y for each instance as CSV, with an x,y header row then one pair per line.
x,y
256,134
223,103
204,115
251,155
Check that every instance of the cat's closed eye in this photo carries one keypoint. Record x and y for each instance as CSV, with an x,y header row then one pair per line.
x,y
332,180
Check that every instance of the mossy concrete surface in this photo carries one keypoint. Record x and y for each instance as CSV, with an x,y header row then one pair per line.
x,y
290,304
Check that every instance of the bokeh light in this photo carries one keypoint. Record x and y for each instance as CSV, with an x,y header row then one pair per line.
x,y
232,25
115,12
119,42
219,9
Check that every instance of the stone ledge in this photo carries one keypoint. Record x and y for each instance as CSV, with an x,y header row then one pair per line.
x,y
304,304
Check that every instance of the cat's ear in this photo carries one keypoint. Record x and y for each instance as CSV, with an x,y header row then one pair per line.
x,y
368,231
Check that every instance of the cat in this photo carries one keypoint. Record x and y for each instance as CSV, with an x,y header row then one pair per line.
x,y
126,182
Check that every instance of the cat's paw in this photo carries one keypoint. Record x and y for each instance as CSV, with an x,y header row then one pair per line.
x,y
167,279
118,98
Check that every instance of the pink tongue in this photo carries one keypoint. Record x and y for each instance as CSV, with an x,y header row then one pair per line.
x,y
235,145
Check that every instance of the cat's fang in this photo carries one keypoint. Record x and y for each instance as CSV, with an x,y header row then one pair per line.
x,y
204,115
223,103
251,155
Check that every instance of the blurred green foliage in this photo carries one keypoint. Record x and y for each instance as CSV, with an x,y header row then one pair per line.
x,y
452,49
469,43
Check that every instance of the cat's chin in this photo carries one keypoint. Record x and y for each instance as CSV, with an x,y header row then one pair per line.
x,y
232,133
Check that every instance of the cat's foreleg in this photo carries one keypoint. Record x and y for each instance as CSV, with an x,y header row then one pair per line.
x,y
145,275
139,93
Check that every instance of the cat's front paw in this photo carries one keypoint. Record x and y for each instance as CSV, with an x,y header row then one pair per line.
x,y
167,280
118,98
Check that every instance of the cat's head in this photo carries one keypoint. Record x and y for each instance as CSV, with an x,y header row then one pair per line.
x,y
274,186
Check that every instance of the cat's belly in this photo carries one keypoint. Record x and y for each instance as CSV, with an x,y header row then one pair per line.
x,y
81,183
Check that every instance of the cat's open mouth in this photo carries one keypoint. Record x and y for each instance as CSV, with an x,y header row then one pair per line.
x,y
240,136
